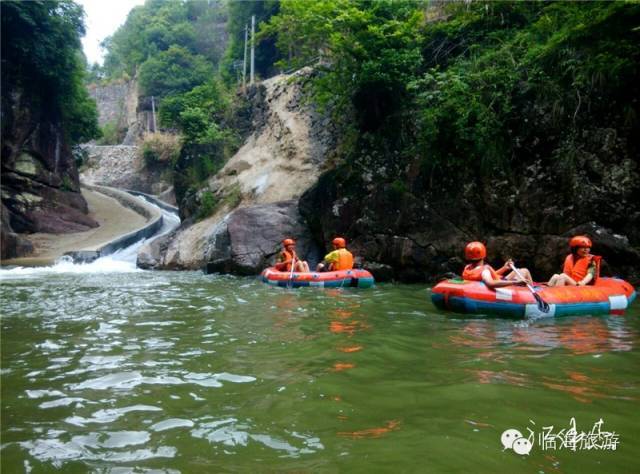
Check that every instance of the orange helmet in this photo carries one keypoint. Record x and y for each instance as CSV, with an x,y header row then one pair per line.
x,y
287,242
580,241
475,251
339,242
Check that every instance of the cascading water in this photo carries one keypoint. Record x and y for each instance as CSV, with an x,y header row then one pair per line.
x,y
123,260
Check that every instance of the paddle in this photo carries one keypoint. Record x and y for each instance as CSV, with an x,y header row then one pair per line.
x,y
543,306
293,265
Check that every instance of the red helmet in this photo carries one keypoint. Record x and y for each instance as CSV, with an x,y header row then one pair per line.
x,y
475,251
339,242
580,241
287,242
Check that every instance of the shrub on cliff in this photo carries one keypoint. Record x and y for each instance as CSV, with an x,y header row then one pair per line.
x,y
160,149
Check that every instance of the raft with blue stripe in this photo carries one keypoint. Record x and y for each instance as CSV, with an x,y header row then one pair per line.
x,y
606,296
355,278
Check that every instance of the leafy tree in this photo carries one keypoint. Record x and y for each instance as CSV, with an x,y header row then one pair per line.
x,y
158,25
173,72
41,55
370,51
266,53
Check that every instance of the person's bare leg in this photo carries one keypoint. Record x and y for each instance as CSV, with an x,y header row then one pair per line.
x,y
523,271
562,280
553,281
527,275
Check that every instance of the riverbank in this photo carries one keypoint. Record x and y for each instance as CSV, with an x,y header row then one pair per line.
x,y
115,219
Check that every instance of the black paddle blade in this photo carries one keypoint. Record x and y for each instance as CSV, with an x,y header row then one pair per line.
x,y
543,306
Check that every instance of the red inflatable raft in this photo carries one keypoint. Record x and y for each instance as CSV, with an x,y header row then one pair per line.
x,y
339,279
607,296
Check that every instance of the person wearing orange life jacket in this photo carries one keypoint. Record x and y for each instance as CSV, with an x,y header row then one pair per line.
x,y
477,270
287,256
580,267
338,259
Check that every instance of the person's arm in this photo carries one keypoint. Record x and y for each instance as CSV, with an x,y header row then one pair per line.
x,y
491,283
591,273
505,268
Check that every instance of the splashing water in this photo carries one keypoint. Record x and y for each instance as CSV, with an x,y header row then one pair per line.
x,y
121,261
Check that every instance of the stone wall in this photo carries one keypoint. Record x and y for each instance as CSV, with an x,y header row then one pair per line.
x,y
119,103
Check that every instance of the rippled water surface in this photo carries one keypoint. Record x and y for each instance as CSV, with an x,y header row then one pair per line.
x,y
185,372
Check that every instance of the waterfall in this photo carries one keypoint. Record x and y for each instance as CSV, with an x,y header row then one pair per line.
x,y
121,261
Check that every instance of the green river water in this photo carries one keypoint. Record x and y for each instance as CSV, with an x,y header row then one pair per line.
x,y
186,372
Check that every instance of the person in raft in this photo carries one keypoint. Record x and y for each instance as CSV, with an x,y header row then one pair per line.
x,y
477,270
580,267
338,259
287,256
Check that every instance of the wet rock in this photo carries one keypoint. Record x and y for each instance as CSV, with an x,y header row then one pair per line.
x,y
248,239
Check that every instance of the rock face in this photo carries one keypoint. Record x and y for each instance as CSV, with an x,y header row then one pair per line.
x,y
119,166
40,186
248,240
528,216
243,242
118,105
284,155
263,181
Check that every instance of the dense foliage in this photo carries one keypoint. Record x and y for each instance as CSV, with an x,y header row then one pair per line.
x,y
157,26
42,57
266,53
427,94
467,88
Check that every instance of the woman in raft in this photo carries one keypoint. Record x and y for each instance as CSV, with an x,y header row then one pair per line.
x,y
289,256
580,267
477,270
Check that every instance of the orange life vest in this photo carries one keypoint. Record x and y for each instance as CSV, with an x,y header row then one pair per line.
x,y
285,259
578,269
472,273
345,261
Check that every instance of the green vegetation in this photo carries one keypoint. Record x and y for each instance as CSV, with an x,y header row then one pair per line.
x,y
466,89
426,95
111,134
208,204
173,71
42,57
160,149
175,49
266,53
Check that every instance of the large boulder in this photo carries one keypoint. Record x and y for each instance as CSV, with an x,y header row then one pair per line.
x,y
249,238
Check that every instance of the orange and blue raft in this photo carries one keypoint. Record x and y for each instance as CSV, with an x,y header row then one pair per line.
x,y
607,296
354,278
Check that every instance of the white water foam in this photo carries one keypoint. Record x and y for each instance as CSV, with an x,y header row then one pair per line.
x,y
121,261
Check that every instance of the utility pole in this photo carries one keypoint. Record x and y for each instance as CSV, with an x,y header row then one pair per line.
x,y
244,60
253,46
153,112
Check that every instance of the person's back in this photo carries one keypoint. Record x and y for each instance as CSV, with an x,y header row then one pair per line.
x,y
343,260
338,259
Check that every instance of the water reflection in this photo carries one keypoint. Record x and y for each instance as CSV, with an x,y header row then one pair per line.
x,y
579,336
509,344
